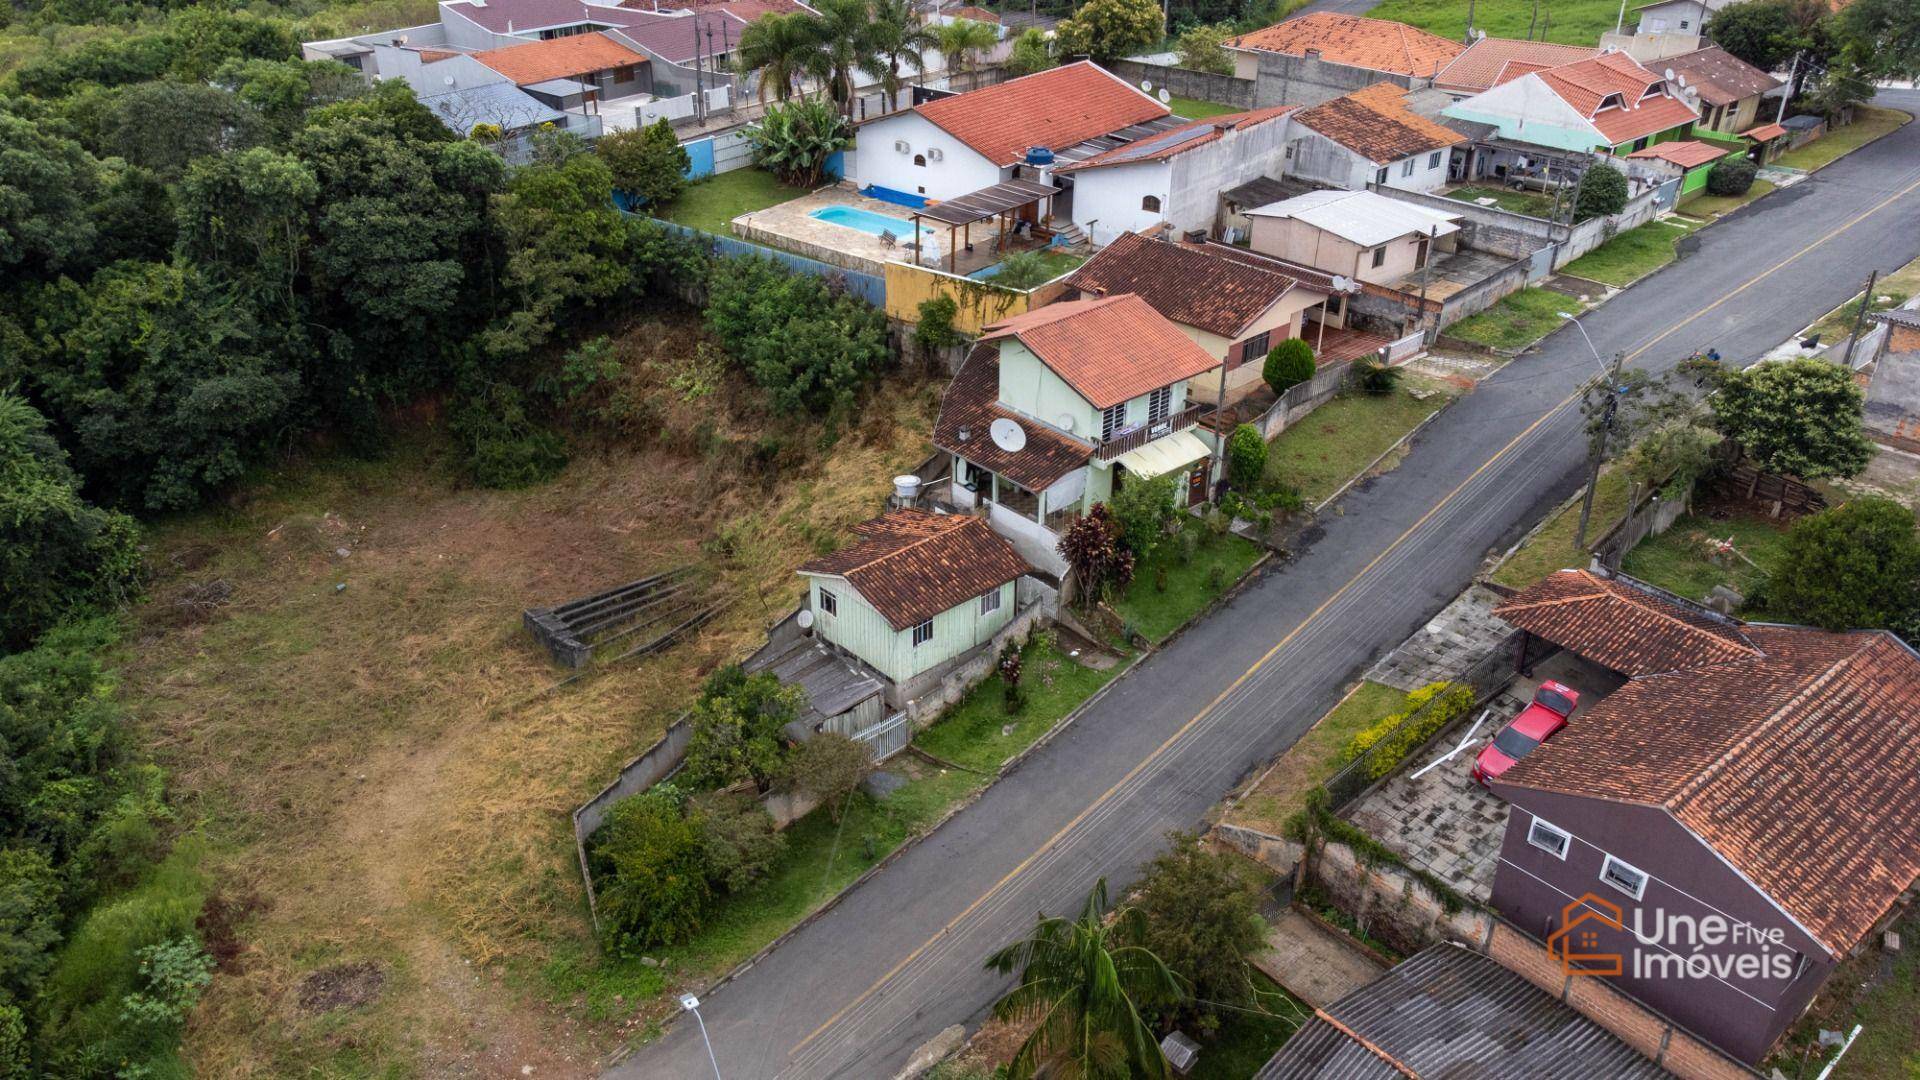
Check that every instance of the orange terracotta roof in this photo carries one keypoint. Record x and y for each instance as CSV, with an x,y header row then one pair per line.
x,y
1690,154
1611,91
1479,67
1376,44
1054,108
559,58
912,565
1188,283
1109,350
1513,69
1377,124
969,406
1627,629
975,14
1177,140
1764,133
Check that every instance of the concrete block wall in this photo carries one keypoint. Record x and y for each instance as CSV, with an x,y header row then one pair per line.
x,y
1391,904
930,695
1183,82
1297,80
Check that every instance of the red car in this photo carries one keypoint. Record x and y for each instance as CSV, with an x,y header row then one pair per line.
x,y
1552,704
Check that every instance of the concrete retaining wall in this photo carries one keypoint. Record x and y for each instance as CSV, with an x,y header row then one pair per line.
x,y
1186,83
1297,80
928,698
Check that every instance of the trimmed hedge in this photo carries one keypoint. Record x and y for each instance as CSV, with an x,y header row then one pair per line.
x,y
1437,705
1288,364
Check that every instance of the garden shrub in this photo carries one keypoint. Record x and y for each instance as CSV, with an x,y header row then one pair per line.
x,y
736,729
650,861
827,768
1093,549
1145,512
1246,458
504,446
1288,364
1375,377
738,839
1602,192
1453,700
1731,176
935,330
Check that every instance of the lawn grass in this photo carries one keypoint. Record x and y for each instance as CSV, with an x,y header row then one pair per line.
x,y
1245,1040
1896,287
1568,22
1631,255
1517,321
1531,203
1282,791
713,203
1881,993
1869,123
1713,206
1324,450
1156,612
978,733
1552,548
1056,263
1676,560
1195,109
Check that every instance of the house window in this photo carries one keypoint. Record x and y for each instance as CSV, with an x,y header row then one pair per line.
x,y
923,633
1159,405
990,602
1113,420
1548,839
1151,204
920,160
1641,143
829,603
1683,24
1433,160
1628,879
1379,256
1381,176
1406,167
1257,345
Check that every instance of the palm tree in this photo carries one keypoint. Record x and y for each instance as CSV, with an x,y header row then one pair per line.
x,y
963,40
844,46
1084,981
783,50
896,34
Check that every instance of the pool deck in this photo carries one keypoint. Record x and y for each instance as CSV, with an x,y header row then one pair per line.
x,y
790,226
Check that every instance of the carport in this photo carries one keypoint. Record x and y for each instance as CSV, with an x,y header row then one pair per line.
x,y
1002,201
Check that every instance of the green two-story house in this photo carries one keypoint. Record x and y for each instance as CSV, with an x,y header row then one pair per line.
x,y
1055,408
914,594
1606,104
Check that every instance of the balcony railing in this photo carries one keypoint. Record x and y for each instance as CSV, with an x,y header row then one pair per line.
x,y
1141,436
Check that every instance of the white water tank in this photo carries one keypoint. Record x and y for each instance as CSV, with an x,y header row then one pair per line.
x,y
906,490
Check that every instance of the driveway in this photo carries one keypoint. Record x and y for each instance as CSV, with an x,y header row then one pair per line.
x,y
900,958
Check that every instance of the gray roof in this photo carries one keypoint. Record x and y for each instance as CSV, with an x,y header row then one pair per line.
x,y
832,682
1449,1011
499,103
1801,123
1900,316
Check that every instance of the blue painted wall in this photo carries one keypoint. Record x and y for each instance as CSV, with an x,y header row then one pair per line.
x,y
699,158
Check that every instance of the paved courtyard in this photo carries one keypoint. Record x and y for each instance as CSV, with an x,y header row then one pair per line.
x,y
1437,818
1450,643
792,226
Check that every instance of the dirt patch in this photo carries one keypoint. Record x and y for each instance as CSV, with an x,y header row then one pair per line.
x,y
343,986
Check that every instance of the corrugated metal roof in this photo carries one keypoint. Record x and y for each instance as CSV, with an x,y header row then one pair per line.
x,y
499,103
1362,217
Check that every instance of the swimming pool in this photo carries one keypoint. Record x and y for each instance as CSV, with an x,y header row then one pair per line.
x,y
869,222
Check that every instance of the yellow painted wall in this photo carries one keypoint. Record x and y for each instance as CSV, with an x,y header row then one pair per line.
x,y
980,304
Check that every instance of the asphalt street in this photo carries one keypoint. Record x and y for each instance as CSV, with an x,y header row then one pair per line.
x,y
856,992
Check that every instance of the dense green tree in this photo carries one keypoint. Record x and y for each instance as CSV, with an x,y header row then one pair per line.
x,y
1144,510
59,556
810,349
1767,33
30,921
653,888
1031,52
1856,566
1246,458
1202,914
570,251
1200,49
828,768
47,184
736,729
167,124
1089,986
1602,192
1797,417
280,93
1882,37
648,163
1108,30
738,839
243,219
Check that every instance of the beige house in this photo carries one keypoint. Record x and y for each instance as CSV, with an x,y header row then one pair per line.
x,y
1353,234
1236,309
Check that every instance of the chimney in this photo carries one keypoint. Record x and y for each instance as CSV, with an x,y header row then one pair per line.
x,y
1195,236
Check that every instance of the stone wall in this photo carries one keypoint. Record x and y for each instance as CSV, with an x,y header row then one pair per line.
x,y
1390,904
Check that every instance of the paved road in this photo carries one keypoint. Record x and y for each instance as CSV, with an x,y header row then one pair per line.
x,y
899,959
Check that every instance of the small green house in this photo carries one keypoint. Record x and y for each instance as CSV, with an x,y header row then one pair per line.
x,y
1693,157
914,594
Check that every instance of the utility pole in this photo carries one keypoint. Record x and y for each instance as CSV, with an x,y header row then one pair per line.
x,y
1426,265
1787,91
1467,38
1620,20
1534,21
1860,320
1600,443
699,90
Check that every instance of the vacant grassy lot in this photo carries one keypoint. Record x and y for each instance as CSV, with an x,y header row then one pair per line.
x,y
1552,548
1326,448
1282,790
1569,22
1631,255
1515,322
1678,559
978,732
362,737
1195,109
1713,206
713,203
1190,585
1869,123
1531,203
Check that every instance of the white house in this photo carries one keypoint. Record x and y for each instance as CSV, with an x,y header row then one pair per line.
x,y
1370,137
1173,177
1356,234
947,148
1056,407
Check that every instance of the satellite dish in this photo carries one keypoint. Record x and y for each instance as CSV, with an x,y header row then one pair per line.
x,y
805,620
1007,435
1147,85
448,80
1165,97
1064,421
1344,284
1682,80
